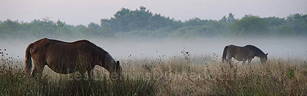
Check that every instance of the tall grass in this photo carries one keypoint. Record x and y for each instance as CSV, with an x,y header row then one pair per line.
x,y
177,75
208,76
14,82
17,84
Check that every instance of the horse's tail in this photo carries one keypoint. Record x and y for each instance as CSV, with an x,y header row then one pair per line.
x,y
224,53
28,61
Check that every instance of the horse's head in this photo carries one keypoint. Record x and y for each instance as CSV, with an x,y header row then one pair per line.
x,y
112,66
115,70
264,58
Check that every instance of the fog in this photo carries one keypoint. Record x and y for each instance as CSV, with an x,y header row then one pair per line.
x,y
285,48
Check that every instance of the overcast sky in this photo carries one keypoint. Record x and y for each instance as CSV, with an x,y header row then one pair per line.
x,y
85,11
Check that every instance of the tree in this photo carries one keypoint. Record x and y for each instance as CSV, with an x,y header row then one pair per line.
x,y
229,19
250,25
127,20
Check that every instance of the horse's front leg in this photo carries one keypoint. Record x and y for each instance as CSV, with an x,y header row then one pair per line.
x,y
90,74
249,61
243,62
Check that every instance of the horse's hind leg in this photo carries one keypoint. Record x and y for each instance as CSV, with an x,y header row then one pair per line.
x,y
229,61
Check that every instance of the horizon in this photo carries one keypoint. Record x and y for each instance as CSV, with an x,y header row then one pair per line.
x,y
98,22
82,12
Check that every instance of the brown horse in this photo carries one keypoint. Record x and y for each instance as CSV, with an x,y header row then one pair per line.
x,y
246,53
68,57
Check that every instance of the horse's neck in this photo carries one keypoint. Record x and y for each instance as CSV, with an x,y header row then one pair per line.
x,y
259,54
107,62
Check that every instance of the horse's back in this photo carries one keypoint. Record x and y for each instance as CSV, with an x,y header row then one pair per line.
x,y
76,45
238,52
233,48
73,49
250,46
67,57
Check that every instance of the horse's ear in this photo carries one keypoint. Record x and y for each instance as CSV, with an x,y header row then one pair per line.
x,y
117,62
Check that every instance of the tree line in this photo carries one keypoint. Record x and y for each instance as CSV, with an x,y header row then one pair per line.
x,y
143,23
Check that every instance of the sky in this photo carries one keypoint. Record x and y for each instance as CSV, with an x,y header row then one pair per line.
x,y
85,11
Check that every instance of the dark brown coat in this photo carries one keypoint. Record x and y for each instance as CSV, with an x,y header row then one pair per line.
x,y
245,53
67,57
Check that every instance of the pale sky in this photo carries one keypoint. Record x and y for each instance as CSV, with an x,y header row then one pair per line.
x,y
85,11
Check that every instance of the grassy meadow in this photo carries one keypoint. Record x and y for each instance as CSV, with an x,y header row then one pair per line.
x,y
182,75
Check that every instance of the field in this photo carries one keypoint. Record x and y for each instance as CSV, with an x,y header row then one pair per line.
x,y
177,75
164,47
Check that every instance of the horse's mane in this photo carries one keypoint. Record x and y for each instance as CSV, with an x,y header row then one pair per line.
x,y
256,49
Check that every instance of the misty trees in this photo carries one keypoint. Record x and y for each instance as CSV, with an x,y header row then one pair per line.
x,y
292,25
141,22
297,24
127,20
230,19
145,22
9,27
251,25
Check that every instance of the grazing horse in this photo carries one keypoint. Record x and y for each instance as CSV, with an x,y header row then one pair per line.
x,y
68,57
246,53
